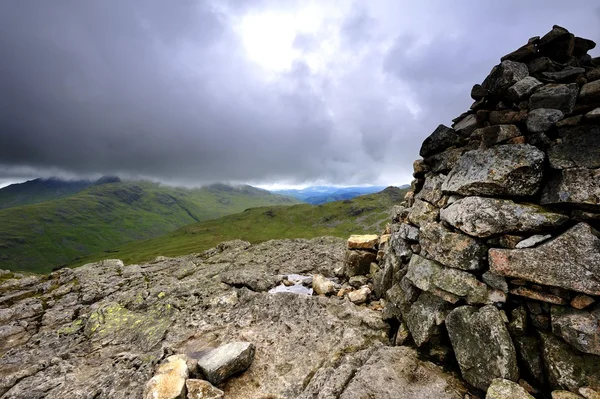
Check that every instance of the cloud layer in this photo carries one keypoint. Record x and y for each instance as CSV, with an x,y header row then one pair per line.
x,y
263,92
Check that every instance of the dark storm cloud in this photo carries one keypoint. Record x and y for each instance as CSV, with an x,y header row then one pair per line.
x,y
164,90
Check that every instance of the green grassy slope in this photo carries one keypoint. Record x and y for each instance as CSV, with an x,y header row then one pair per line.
x,y
360,215
39,190
39,237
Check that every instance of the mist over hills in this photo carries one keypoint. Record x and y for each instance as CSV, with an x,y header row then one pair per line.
x,y
322,194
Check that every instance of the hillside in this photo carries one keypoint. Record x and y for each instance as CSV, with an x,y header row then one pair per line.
x,y
40,190
40,237
364,214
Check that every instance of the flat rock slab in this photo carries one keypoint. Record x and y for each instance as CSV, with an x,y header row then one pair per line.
x,y
482,345
513,170
221,363
442,138
561,262
555,96
366,241
485,217
574,186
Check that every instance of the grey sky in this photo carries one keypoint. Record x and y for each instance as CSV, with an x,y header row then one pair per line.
x,y
260,92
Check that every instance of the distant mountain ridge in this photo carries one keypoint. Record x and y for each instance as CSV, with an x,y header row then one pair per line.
x,y
40,236
317,195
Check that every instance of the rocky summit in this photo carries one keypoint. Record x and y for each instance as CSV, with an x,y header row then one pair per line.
x,y
486,283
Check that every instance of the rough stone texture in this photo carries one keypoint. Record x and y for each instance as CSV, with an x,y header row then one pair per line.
x,y
523,88
169,380
321,285
514,170
366,241
452,249
580,328
408,232
506,389
566,367
432,189
579,148
423,212
359,296
442,138
504,76
542,119
425,317
565,74
358,262
555,96
184,308
496,134
384,373
573,186
590,92
449,284
582,301
485,217
200,389
444,161
220,363
560,262
529,352
565,395
465,126
482,345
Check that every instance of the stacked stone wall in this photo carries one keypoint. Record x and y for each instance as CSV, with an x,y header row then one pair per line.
x,y
493,262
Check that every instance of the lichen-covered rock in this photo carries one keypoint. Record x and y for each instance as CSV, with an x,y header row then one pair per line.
x,y
425,317
533,241
448,283
432,188
524,88
442,138
514,170
482,345
485,217
423,212
358,262
579,147
530,355
555,96
565,395
503,76
452,249
506,389
220,363
200,389
590,92
169,380
542,119
560,262
566,367
580,328
577,186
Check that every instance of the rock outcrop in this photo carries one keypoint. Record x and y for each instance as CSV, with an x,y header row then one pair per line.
x,y
502,270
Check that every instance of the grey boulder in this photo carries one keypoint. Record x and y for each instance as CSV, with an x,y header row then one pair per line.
x,y
514,170
503,76
523,88
580,328
425,317
579,147
542,119
555,96
442,138
576,186
452,249
482,345
221,363
506,389
485,217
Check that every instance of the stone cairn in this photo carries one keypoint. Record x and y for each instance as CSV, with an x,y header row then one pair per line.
x,y
493,262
